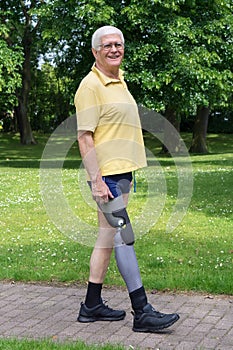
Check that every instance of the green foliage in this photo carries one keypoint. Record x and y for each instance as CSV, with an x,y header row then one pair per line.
x,y
186,65
174,49
10,66
53,101
178,52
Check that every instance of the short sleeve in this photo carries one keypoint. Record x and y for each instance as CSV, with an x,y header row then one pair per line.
x,y
87,109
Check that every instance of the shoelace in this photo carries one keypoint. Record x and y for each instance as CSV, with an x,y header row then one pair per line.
x,y
104,302
159,314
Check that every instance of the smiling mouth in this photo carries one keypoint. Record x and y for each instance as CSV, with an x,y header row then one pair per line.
x,y
113,57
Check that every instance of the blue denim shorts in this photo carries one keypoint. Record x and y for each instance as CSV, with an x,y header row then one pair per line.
x,y
118,184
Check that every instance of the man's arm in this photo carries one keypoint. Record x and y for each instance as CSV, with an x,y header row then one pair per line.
x,y
100,190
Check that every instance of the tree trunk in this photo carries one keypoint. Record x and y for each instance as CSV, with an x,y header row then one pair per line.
x,y
26,136
200,131
171,141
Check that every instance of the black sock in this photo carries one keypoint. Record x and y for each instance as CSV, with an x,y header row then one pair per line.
x,y
93,296
138,299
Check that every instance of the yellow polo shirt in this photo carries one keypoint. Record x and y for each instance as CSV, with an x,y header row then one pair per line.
x,y
106,107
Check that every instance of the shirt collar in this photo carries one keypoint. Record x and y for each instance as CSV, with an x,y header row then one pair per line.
x,y
107,80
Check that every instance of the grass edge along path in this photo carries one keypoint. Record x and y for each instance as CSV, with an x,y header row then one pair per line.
x,y
46,344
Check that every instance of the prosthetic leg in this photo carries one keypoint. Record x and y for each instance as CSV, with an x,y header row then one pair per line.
x,y
117,216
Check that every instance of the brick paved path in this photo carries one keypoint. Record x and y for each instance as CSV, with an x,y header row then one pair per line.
x,y
35,311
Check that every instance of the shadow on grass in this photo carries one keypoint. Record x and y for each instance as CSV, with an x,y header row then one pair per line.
x,y
15,155
30,164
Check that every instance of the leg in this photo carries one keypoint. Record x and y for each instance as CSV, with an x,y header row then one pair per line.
x,y
128,267
93,309
116,214
146,319
102,251
126,260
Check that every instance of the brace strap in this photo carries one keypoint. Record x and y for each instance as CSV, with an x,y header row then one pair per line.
x,y
117,216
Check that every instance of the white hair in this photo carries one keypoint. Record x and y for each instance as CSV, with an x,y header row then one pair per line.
x,y
102,31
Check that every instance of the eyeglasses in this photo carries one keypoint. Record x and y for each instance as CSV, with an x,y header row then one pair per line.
x,y
108,46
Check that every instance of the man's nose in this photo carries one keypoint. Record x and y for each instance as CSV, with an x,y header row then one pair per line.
x,y
113,48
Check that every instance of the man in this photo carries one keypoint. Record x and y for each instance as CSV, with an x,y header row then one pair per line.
x,y
111,145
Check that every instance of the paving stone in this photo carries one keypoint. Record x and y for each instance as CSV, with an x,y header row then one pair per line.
x,y
209,343
203,327
40,311
186,345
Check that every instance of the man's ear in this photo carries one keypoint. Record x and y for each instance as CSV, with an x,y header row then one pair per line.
x,y
94,52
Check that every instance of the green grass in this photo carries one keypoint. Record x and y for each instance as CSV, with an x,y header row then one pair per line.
x,y
196,256
9,344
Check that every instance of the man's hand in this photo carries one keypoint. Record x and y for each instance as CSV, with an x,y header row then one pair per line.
x,y
101,192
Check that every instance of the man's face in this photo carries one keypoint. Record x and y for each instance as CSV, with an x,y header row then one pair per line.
x,y
110,53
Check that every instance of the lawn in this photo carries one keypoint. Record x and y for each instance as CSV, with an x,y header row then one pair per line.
x,y
9,344
196,256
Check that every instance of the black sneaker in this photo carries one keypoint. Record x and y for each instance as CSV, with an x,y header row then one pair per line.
x,y
100,312
151,321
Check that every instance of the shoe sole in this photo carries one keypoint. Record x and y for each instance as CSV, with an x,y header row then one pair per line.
x,y
155,329
85,319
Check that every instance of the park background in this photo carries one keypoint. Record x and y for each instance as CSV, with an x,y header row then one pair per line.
x,y
178,62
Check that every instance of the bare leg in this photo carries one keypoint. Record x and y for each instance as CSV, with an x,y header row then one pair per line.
x,y
102,251
93,309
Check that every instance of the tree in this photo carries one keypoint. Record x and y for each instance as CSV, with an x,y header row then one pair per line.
x,y
52,96
176,60
216,23
23,26
68,46
10,78
178,53
200,131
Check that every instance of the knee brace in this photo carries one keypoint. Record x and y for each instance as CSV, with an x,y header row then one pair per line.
x,y
117,216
